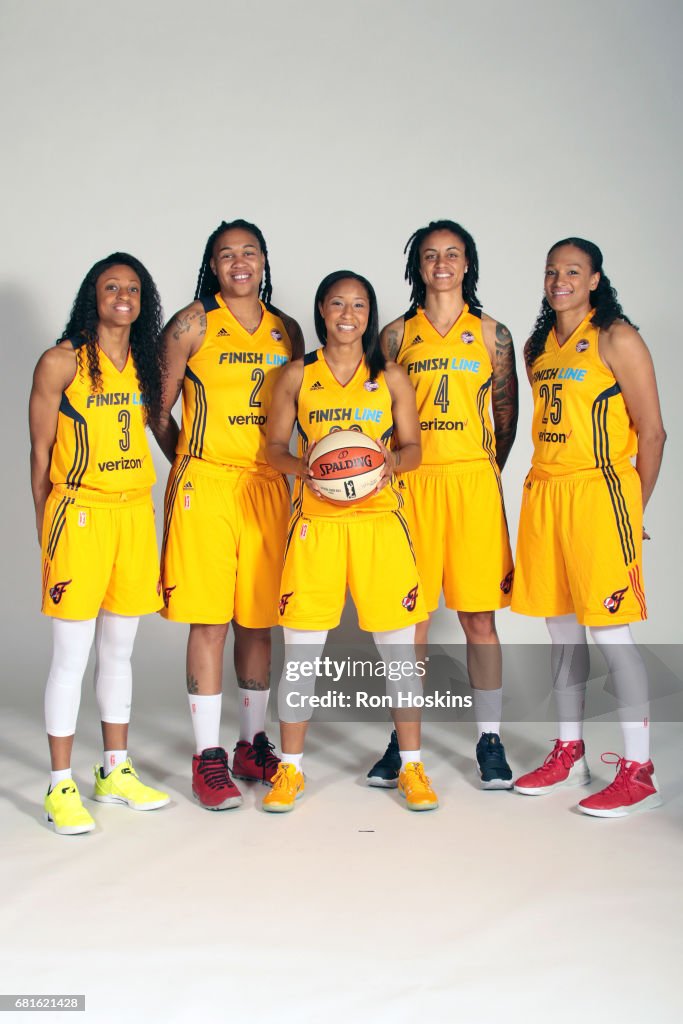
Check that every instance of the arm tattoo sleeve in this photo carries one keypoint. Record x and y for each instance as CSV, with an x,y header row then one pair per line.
x,y
505,396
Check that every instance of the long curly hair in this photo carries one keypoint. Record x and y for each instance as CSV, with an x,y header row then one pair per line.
x,y
207,282
603,300
374,357
414,278
145,332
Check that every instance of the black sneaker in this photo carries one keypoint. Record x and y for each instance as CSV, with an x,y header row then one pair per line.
x,y
385,772
494,770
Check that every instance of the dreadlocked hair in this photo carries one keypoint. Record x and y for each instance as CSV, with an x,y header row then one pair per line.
x,y
207,282
414,277
374,357
603,299
145,332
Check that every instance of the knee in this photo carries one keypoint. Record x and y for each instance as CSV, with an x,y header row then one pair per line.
x,y
479,627
209,634
246,639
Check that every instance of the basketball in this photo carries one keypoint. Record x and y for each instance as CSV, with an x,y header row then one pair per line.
x,y
346,466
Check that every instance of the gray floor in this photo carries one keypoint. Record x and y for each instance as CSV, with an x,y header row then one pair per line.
x,y
495,907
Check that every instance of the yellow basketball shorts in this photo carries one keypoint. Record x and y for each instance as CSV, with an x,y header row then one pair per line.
x,y
224,540
369,553
457,521
579,547
99,551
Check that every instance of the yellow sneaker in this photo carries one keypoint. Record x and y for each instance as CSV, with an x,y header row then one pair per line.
x,y
287,786
416,787
64,810
122,786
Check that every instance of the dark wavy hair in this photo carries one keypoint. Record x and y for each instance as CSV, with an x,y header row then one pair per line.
x,y
413,276
374,357
145,332
207,282
603,300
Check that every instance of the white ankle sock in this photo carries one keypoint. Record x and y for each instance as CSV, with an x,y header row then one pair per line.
x,y
112,759
294,759
59,776
252,710
409,755
206,719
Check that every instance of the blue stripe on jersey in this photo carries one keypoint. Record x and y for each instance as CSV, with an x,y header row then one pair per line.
x,y
199,425
82,447
604,463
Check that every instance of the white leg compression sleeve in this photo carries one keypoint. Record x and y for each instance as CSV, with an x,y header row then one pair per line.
x,y
71,642
302,647
570,666
114,639
630,685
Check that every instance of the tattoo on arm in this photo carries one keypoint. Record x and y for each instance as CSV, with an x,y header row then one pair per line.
x,y
393,343
183,322
192,683
254,684
505,394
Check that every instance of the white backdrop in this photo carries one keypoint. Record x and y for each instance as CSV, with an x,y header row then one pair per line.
x,y
339,128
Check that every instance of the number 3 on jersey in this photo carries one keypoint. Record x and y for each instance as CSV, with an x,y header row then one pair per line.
x,y
441,397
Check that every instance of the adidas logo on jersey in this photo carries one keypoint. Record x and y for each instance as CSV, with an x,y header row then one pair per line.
x,y
417,340
316,387
188,486
223,333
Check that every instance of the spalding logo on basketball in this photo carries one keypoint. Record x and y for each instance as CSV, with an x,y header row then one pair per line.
x,y
346,466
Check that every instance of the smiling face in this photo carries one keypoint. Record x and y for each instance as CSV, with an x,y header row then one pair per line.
x,y
118,296
345,310
238,263
443,263
569,280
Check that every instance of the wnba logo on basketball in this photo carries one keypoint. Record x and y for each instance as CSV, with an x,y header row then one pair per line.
x,y
613,602
410,600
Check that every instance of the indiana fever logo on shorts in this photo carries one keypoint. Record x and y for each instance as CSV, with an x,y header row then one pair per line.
x,y
506,582
613,602
284,600
410,600
57,591
168,591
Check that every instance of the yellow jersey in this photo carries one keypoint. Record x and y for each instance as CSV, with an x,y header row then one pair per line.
x,y
101,442
228,387
452,376
580,418
324,405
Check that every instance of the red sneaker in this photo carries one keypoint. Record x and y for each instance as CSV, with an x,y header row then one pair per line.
x,y
211,782
565,765
634,789
255,761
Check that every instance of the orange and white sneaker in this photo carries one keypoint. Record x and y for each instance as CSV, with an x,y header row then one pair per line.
x,y
287,786
416,787
565,765
634,789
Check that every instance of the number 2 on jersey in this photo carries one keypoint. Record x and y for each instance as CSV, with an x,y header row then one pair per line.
x,y
259,376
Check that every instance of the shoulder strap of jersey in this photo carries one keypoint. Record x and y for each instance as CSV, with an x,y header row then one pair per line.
x,y
311,357
209,303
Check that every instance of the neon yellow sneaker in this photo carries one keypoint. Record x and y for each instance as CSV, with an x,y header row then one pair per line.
x,y
416,787
122,786
64,810
287,786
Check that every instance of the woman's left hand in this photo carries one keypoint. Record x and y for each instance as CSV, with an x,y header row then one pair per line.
x,y
391,461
